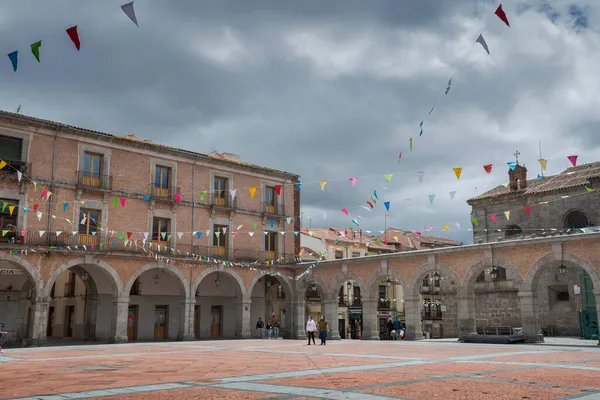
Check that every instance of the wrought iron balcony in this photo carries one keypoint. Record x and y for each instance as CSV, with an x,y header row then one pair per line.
x,y
164,193
89,179
11,168
272,209
223,200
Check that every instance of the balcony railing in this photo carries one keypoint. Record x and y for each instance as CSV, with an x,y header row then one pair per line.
x,y
354,302
432,313
223,200
272,209
11,168
385,305
93,180
164,193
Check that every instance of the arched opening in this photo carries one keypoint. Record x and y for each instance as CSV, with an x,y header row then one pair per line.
x,y
390,305
564,301
576,219
350,310
18,290
434,302
157,304
272,302
314,297
513,231
218,313
81,303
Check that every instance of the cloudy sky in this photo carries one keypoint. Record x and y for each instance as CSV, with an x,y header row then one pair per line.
x,y
328,90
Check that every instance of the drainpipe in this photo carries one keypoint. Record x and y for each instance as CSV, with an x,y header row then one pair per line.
x,y
283,207
191,318
51,200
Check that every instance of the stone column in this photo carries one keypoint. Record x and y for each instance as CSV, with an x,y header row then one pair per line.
x,y
412,313
331,314
39,321
466,315
120,315
300,319
370,320
91,315
531,326
245,307
597,294
186,319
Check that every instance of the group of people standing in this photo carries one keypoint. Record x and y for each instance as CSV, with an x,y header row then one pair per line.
x,y
311,328
272,330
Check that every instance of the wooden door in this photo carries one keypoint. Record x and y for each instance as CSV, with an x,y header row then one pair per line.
x,y
196,322
132,317
216,325
161,317
50,327
69,320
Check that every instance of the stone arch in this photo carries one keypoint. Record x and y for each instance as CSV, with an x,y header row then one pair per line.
x,y
576,217
512,231
283,281
332,293
160,265
425,269
512,273
219,268
32,272
115,280
305,281
373,284
567,258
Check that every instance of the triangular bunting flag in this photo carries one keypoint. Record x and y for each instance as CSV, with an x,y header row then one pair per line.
x,y
232,192
277,189
344,210
493,217
130,12
481,41
14,59
543,163
298,185
457,172
573,160
353,181
452,194
420,175
512,165
74,35
431,197
388,177
323,183
527,209
387,205
488,168
502,15
252,191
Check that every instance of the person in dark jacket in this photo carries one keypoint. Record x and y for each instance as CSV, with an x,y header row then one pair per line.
x,y
390,328
259,327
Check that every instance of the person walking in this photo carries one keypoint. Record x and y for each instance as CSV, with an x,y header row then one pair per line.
x,y
259,327
390,328
269,329
397,327
276,330
311,327
323,329
2,334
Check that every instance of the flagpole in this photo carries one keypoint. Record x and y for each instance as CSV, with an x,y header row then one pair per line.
x,y
541,169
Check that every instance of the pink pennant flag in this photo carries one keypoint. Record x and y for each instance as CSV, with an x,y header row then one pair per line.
x,y
399,157
177,198
573,160
493,217
353,181
345,211
122,200
44,192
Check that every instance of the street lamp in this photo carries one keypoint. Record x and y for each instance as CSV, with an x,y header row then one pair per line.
x,y
562,269
217,280
84,276
494,273
349,286
388,283
156,279
436,280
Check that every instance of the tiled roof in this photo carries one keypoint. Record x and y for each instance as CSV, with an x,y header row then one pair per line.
x,y
341,235
133,138
416,240
572,177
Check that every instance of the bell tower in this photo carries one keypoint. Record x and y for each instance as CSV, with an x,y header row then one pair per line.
x,y
518,176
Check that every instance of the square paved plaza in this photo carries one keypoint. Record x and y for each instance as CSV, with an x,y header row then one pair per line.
x,y
289,369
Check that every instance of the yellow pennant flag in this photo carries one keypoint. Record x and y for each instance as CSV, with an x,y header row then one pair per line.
x,y
323,183
11,209
446,228
252,191
589,190
396,238
507,215
2,164
543,163
457,172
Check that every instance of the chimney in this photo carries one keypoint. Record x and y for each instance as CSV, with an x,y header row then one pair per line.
x,y
517,178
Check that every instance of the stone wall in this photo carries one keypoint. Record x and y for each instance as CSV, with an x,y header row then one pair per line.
x,y
496,306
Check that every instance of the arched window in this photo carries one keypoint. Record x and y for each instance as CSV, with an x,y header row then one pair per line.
x,y
513,231
576,219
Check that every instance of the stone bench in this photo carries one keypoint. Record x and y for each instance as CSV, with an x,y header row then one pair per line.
x,y
500,330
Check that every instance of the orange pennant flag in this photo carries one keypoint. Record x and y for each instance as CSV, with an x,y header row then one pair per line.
x,y
252,191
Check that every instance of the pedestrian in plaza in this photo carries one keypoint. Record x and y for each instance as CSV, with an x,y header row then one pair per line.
x,y
259,327
276,330
390,328
269,328
311,327
398,327
2,334
323,328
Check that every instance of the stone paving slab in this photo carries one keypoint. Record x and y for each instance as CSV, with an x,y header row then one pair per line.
x,y
277,369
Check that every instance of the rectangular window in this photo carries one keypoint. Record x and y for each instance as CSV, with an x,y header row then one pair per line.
x,y
92,169
271,242
8,220
89,221
220,190
10,148
339,254
382,292
221,239
161,228
270,196
356,254
162,181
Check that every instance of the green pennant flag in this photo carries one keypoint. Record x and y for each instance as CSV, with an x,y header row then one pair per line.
x,y
35,49
202,195
115,202
4,204
475,221
169,238
120,234
4,232
254,225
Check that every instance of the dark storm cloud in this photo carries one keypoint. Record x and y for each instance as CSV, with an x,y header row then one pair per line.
x,y
328,90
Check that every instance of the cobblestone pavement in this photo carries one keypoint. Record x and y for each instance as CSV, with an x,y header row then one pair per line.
x,y
282,369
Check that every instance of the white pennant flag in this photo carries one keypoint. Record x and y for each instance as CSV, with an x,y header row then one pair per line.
x,y
251,234
180,234
224,230
145,235
58,233
452,194
39,215
83,221
19,175
420,175
233,192
207,232
42,233
288,219
282,232
482,42
265,232
239,227
75,233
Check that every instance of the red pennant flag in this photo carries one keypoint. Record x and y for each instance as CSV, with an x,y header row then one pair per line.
x,y
527,210
371,204
573,160
128,235
233,234
122,200
493,217
72,32
35,207
278,189
488,168
502,15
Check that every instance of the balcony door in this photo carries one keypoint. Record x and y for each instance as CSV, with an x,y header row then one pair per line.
x,y
92,169
219,248
161,228
220,191
162,181
270,200
271,246
10,149
89,226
